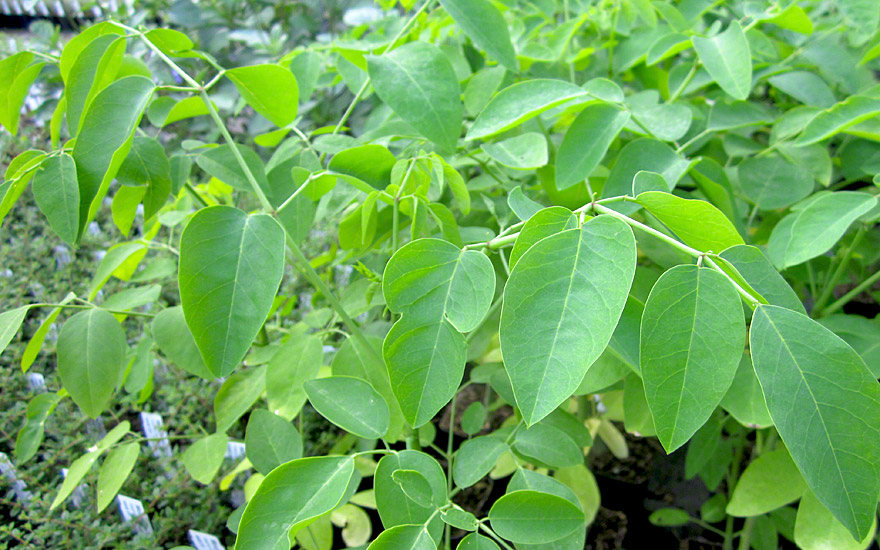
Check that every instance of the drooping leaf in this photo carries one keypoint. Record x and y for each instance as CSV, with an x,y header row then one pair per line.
x,y
30,436
350,403
560,309
17,74
814,228
175,340
271,441
770,481
228,279
105,138
370,163
237,394
57,194
728,59
114,471
77,471
484,24
760,274
91,359
692,336
520,102
838,450
549,445
644,154
10,321
147,165
418,82
524,152
270,89
221,163
93,70
745,400
696,222
586,142
290,496
203,458
839,117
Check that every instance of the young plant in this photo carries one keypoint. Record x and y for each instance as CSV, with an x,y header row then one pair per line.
x,y
645,205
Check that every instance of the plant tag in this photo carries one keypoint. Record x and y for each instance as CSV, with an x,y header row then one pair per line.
x,y
151,424
8,471
204,541
234,450
36,382
133,509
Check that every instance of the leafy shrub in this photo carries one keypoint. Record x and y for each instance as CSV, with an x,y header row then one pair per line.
x,y
658,208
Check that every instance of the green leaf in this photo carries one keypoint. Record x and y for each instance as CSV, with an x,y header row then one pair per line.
x,y
78,43
105,138
541,224
419,84
176,341
645,154
760,274
522,206
114,471
475,458
221,163
460,519
237,394
394,507
816,529
533,517
441,291
270,89
692,337
772,182
861,334
93,70
586,142
10,321
17,74
770,481
350,403
745,400
296,362
91,359
666,121
582,483
203,458
697,223
147,165
57,194
669,517
414,486
78,469
557,294
484,24
524,152
371,164
830,428
30,436
839,117
814,228
519,103
473,418
806,87
414,537
548,445
728,59
354,359
228,279
475,541
271,441
289,497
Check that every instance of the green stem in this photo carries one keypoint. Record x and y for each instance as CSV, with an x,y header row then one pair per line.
x,y
745,537
846,298
832,280
693,140
687,80
449,461
366,83
92,306
498,539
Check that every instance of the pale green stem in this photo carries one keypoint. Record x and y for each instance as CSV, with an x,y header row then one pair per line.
x,y
832,279
92,306
846,298
498,539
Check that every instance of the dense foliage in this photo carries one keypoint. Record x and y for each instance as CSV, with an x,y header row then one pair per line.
x,y
593,212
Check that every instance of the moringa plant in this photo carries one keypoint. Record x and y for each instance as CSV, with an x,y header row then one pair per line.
x,y
590,211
